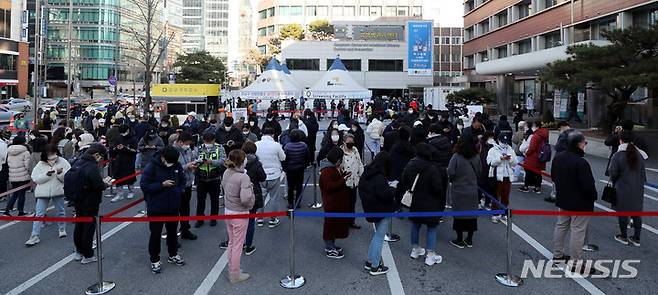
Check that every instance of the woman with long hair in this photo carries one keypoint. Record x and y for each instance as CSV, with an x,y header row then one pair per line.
x,y
628,174
463,171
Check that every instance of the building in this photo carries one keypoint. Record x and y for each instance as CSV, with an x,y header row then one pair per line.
x,y
375,53
14,49
193,17
273,14
243,30
448,56
205,25
507,43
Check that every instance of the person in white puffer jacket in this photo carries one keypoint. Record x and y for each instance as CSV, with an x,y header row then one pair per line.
x,y
502,160
18,161
48,174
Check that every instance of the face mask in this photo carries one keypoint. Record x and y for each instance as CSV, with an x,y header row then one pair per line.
x,y
185,147
164,124
349,145
335,126
431,117
354,129
270,119
245,132
125,134
74,141
167,164
32,137
209,145
491,141
460,126
98,158
227,128
252,123
411,111
335,138
52,157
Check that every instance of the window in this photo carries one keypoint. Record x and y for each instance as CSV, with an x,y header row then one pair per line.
x,y
609,24
552,39
390,11
262,14
364,10
469,5
468,33
337,11
484,56
653,17
262,49
271,11
262,32
417,11
445,57
455,57
284,10
525,46
311,10
270,30
501,19
323,10
350,64
501,52
550,3
468,62
375,11
295,10
524,10
445,40
7,62
484,27
403,10
385,65
348,11
456,40
581,33
303,64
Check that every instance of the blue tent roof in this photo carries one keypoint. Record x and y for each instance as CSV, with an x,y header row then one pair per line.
x,y
337,65
285,69
273,65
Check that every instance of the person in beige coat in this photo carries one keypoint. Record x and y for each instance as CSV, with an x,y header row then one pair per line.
x,y
18,160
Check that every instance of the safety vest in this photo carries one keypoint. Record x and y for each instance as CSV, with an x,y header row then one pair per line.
x,y
212,155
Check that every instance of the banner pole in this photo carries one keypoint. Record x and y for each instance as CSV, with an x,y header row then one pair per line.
x,y
315,204
508,279
293,280
101,287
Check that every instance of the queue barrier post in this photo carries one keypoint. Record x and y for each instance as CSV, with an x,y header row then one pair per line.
x,y
101,287
315,204
292,280
508,279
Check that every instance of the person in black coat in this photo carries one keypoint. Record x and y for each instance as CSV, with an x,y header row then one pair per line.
x,y
359,137
253,125
141,129
427,197
297,158
124,154
163,183
503,127
401,153
575,191
331,140
391,137
441,155
377,197
271,122
312,127
229,136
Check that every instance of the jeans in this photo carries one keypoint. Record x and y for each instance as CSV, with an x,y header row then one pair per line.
x,y
518,168
155,228
185,208
637,226
431,236
295,186
207,188
377,241
353,203
18,195
42,206
273,188
237,229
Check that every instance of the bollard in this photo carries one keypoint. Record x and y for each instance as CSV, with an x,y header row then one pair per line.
x,y
508,279
315,204
293,280
101,287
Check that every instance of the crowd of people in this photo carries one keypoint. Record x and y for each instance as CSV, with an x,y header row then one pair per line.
x,y
417,155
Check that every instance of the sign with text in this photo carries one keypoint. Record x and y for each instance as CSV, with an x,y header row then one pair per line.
x,y
419,48
369,32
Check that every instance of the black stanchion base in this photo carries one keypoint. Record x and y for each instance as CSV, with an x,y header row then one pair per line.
x,y
293,283
95,289
315,205
509,280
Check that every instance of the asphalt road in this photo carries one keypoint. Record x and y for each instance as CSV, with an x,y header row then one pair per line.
x,y
47,268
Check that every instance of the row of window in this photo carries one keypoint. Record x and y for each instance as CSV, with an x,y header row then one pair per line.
x,y
84,52
447,57
374,65
8,62
348,10
447,40
85,16
93,34
85,2
5,23
447,73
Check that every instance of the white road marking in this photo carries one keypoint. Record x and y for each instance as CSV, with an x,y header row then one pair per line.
x,y
651,188
587,285
55,267
645,195
393,276
6,225
647,227
653,170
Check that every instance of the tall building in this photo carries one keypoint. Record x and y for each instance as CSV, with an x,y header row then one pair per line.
x,y
447,56
193,22
14,56
215,30
273,14
242,29
507,43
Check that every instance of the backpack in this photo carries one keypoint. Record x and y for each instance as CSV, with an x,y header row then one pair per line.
x,y
545,152
74,182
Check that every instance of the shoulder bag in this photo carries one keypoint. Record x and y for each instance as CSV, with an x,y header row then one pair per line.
x,y
610,193
409,194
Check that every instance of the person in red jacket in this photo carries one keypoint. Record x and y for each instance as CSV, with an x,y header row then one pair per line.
x,y
336,197
532,177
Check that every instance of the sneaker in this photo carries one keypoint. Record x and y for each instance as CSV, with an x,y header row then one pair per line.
x,y
391,237
188,236
458,244
333,253
495,219
176,260
116,198
590,248
561,259
469,244
198,224
273,223
537,190
77,256
432,258
503,218
635,242
417,252
223,245
213,223
24,213
164,235
524,189
448,206
32,241
62,233
379,270
249,250
621,239
86,260
156,267
241,277
6,213
259,222
130,195
367,265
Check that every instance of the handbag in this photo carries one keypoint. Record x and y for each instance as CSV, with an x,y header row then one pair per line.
x,y
610,194
409,194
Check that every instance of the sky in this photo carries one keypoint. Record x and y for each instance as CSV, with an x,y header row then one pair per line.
x,y
446,13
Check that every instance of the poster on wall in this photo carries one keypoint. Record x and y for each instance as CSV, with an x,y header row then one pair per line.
x,y
557,101
239,113
580,110
419,48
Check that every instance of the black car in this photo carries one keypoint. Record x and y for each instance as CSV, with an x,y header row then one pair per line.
x,y
63,105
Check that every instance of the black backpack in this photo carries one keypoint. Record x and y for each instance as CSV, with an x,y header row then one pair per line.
x,y
74,182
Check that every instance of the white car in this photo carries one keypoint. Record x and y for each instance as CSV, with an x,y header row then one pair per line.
x,y
5,116
97,107
16,104
47,103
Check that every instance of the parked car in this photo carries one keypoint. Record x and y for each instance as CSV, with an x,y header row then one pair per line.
x,y
47,103
63,106
97,107
16,104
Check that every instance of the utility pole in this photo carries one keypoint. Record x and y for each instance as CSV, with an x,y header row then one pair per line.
x,y
37,55
70,76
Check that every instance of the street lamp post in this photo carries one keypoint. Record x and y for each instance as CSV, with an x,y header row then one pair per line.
x,y
70,76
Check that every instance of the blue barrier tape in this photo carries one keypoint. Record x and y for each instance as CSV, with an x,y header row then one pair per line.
x,y
493,199
651,185
398,214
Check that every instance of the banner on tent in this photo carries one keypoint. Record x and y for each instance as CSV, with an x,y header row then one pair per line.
x,y
419,48
338,95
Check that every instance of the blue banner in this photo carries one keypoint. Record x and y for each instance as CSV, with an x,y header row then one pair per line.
x,y
419,48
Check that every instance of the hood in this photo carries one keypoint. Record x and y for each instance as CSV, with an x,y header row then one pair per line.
x,y
417,165
16,149
369,172
504,125
251,159
222,129
442,143
325,164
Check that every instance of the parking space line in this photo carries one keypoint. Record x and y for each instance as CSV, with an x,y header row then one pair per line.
x,y
393,276
8,224
645,195
587,285
55,267
645,226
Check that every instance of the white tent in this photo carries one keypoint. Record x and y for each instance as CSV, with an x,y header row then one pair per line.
x,y
285,69
337,84
273,83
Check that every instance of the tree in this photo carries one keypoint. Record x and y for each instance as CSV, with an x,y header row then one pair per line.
x,y
199,68
274,44
321,29
150,44
255,57
471,96
292,31
618,69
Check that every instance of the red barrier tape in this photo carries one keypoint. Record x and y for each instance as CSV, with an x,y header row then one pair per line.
x,y
123,179
579,213
18,188
46,219
192,218
124,208
535,170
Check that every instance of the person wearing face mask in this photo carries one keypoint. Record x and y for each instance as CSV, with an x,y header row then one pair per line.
x,y
191,123
410,117
253,126
229,136
335,199
148,146
188,161
48,174
353,166
331,140
401,153
163,183
532,178
19,164
165,129
359,137
271,155
248,135
271,122
124,154
297,158
374,132
502,160
211,160
517,140
485,182
312,126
